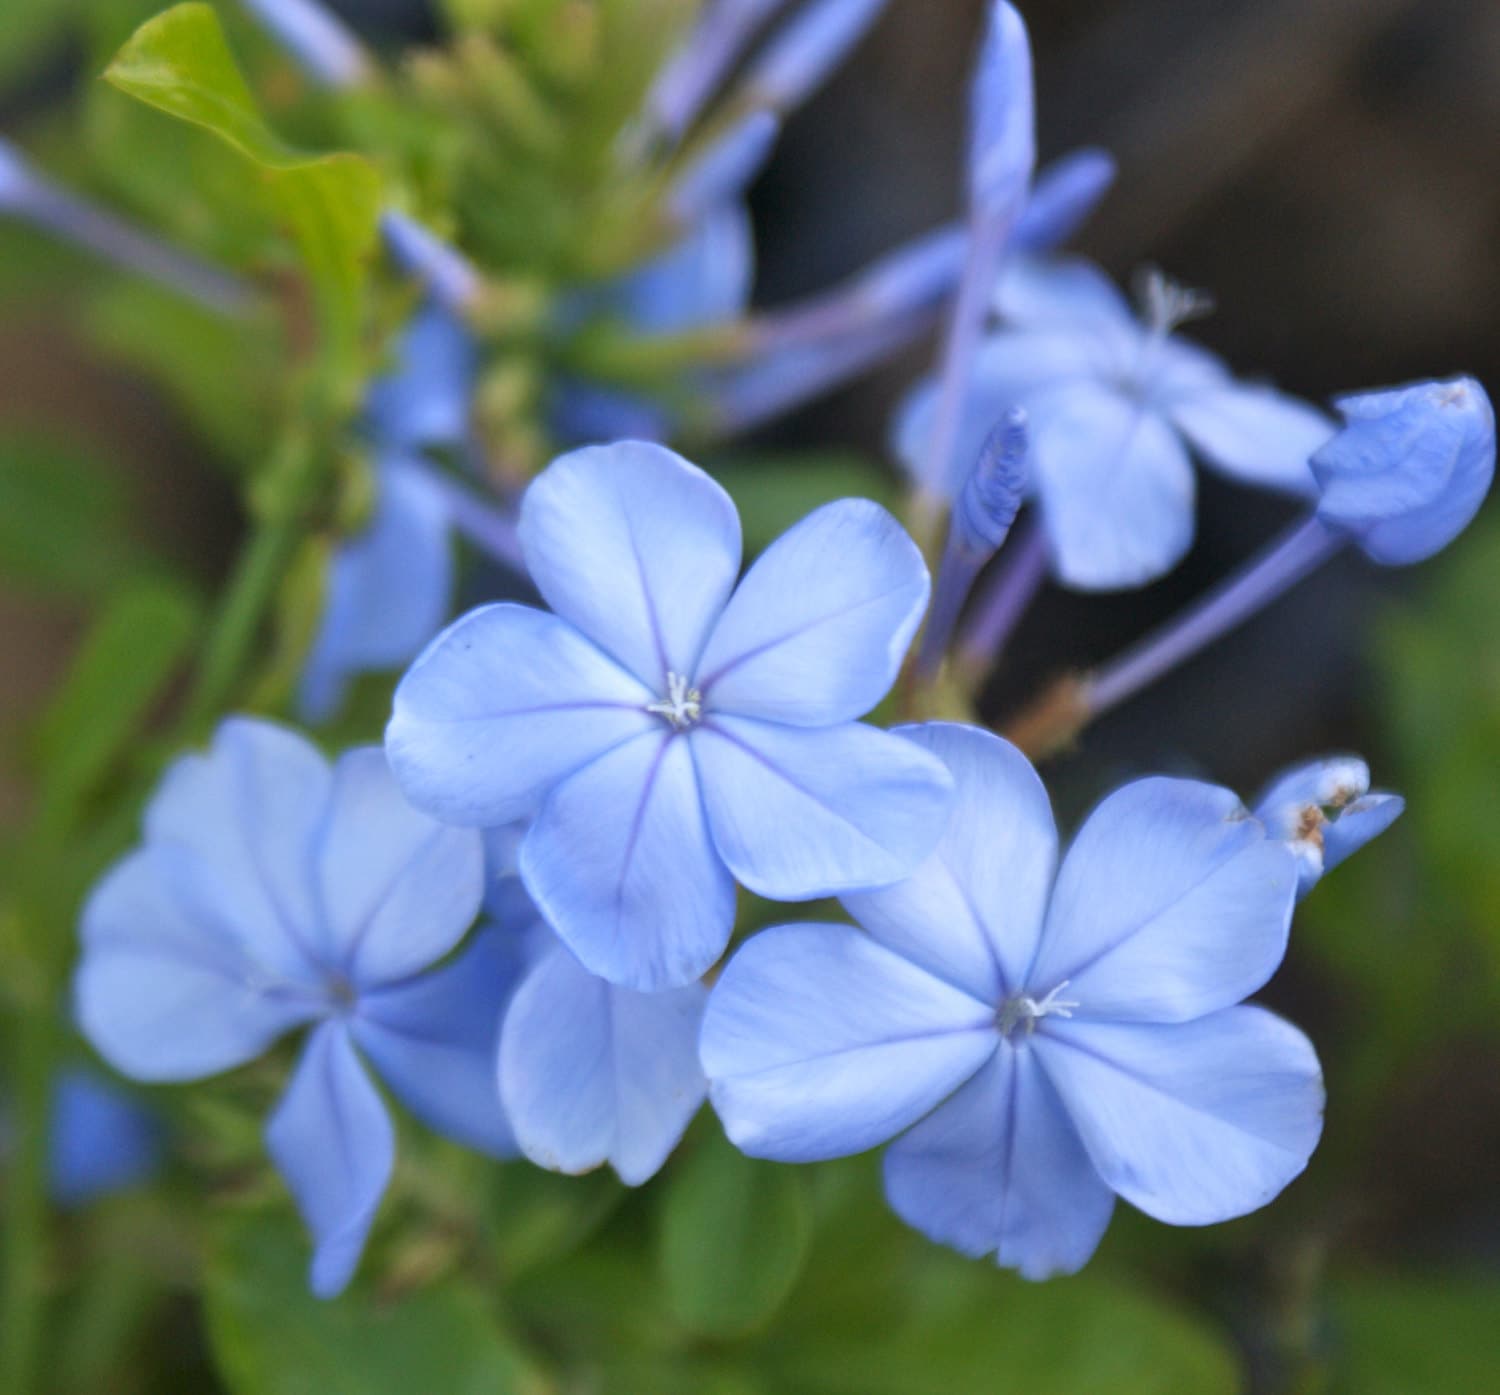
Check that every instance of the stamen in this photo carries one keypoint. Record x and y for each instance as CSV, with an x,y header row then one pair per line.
x,y
682,706
1165,304
1022,1009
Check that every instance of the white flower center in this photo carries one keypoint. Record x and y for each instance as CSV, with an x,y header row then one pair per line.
x,y
1022,1011
683,705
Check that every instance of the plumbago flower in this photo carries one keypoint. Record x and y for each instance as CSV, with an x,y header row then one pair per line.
x,y
1036,1043
589,1073
674,733
273,892
1325,811
1115,404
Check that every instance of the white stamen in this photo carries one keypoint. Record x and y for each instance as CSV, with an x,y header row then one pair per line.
x,y
1165,304
1022,1008
682,706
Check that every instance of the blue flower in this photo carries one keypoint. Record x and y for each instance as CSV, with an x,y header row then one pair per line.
x,y
390,586
591,1073
270,893
99,1139
1114,405
1409,470
1325,811
1036,1045
671,732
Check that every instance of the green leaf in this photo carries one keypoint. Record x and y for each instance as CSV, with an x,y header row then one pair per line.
x,y
774,493
26,27
271,1337
65,518
733,1237
1415,1336
122,669
180,63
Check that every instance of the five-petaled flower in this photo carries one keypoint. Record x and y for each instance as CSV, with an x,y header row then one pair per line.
x,y
673,732
273,892
1036,1045
1114,404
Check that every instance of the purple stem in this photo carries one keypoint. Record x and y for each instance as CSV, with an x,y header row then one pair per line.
x,y
1004,601
1300,550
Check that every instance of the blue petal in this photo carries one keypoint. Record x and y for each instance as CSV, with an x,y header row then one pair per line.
x,y
1064,195
425,399
817,631
165,990
1255,434
506,702
1002,118
705,278
724,171
1357,824
100,1140
1010,370
637,548
999,1169
805,50
1116,488
1196,1123
1172,903
593,1074
389,588
799,813
399,889
332,1140
247,815
819,1042
620,863
433,1040
1068,293
972,913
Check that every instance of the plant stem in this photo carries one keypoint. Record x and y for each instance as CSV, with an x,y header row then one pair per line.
x,y
1000,607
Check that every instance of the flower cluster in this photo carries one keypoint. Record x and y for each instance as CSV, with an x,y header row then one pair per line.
x,y
512,913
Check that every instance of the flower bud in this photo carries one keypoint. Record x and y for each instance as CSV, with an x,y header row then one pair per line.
x,y
996,486
1410,468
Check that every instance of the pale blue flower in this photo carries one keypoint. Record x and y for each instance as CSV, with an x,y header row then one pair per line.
x,y
1325,811
1037,1040
1409,470
591,1074
671,732
272,892
1115,404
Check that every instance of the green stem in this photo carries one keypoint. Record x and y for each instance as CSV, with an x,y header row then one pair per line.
x,y
25,1237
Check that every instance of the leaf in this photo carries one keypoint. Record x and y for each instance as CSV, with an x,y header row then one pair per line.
x,y
64,518
774,493
180,63
26,27
126,661
733,1237
271,1337
1415,1336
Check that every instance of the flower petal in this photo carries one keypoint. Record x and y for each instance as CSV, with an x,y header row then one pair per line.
x,y
819,1042
973,912
1172,903
388,589
637,548
818,629
399,889
100,1140
1010,370
504,704
163,993
1364,819
1255,434
593,1074
424,400
999,1169
1048,292
620,863
1116,488
433,1040
798,813
248,813
1196,1123
332,1140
